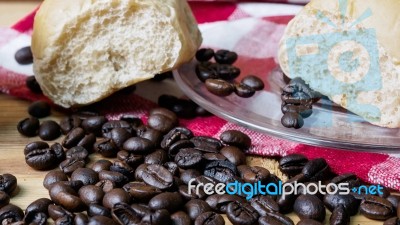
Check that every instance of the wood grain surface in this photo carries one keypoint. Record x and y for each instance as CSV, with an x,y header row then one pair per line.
x,y
12,144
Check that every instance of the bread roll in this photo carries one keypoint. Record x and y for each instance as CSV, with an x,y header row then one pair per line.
x,y
84,50
384,20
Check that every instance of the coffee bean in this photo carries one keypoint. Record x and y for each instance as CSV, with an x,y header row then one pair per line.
x,y
138,145
305,111
292,120
141,191
292,164
220,170
376,208
188,158
286,202
150,134
10,214
253,174
166,101
162,119
35,218
88,142
207,144
188,175
172,167
275,218
105,185
298,88
117,178
33,85
69,201
71,164
119,136
253,82
309,222
132,120
177,146
110,125
98,210
123,168
124,214
214,157
38,206
69,122
101,220
39,109
130,158
174,135
339,216
170,201
115,196
73,137
204,54
54,177
157,176
219,203
195,207
77,152
191,193
56,212
244,91
347,201
241,213
204,71
184,109
157,157
227,72
384,193
392,221
394,199
309,207
100,165
264,204
80,219
211,218
41,159
49,130
180,218
225,57
24,56
316,169
236,138
28,127
106,147
219,87
86,175
4,199
94,125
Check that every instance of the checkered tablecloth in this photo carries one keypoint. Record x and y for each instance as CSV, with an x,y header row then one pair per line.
x,y
251,29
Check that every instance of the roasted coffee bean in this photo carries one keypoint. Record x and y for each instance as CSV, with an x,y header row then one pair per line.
x,y
10,214
220,170
49,130
339,216
227,72
214,157
166,101
157,157
110,125
309,207
204,71
191,193
94,125
234,155
24,56
35,218
77,152
219,87
70,122
59,187
219,203
36,145
33,85
138,145
157,176
297,85
305,111
85,114
188,158
28,127
150,134
174,135
207,144
292,164
172,167
69,201
54,177
177,146
170,201
264,204
347,201
123,168
100,165
350,178
106,147
184,108
286,202
117,178
39,109
195,207
204,54
165,122
292,120
124,214
80,219
98,210
73,137
392,221
274,218
225,57
101,220
70,165
244,91
309,222
119,136
376,208
209,218
316,169
253,81
188,175
88,142
86,175
181,218
133,120
394,199
253,174
38,206
236,138
56,212
241,213
41,159
58,151
130,158
105,185
114,196
141,191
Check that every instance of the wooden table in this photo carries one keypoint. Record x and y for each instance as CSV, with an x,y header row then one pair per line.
x,y
12,144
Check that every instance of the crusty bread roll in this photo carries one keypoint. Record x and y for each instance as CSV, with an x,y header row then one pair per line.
x,y
84,50
384,20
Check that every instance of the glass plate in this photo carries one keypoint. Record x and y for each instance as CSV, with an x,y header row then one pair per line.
x,y
329,125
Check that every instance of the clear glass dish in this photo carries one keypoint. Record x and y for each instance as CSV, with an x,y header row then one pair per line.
x,y
329,125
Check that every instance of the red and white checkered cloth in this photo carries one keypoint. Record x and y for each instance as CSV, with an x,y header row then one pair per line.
x,y
251,29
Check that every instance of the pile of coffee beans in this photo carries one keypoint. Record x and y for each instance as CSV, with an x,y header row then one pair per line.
x,y
297,99
219,76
